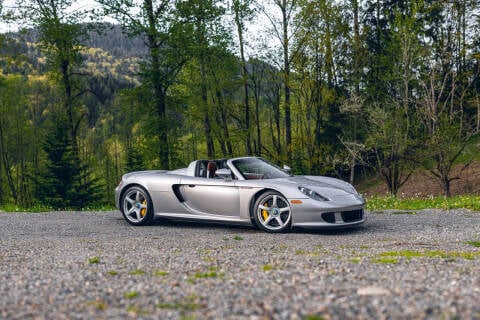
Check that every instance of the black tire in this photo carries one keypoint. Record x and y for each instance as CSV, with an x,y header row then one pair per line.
x,y
272,212
136,206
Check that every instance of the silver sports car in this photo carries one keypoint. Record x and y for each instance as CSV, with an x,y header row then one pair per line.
x,y
246,190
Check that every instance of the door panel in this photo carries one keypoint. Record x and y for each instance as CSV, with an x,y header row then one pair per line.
x,y
211,196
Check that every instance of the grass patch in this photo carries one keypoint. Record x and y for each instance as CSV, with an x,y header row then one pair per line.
x,y
10,207
186,306
130,295
112,273
94,260
34,208
238,238
409,254
137,272
205,275
459,202
189,304
99,305
314,317
385,260
356,260
405,254
313,253
137,310
210,274
476,244
160,273
267,267
404,212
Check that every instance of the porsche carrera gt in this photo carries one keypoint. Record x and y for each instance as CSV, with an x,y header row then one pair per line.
x,y
247,190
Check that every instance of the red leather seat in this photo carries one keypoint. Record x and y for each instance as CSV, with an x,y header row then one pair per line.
x,y
211,169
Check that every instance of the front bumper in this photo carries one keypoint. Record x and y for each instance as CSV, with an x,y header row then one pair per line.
x,y
339,213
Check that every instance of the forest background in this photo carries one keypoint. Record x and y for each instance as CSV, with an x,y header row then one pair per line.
x,y
345,88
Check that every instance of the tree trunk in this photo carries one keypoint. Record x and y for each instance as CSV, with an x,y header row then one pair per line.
x,y
256,78
7,166
286,70
68,105
258,149
356,76
1,179
206,114
446,188
157,83
356,48
239,25
226,144
163,151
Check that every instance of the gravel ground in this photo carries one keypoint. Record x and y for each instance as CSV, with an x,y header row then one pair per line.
x,y
93,265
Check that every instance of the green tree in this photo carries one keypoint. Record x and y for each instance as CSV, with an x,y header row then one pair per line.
x,y
447,132
282,31
243,13
209,40
16,139
396,54
392,144
447,108
322,30
167,46
61,36
63,182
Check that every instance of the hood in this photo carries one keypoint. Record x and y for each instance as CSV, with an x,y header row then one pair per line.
x,y
324,185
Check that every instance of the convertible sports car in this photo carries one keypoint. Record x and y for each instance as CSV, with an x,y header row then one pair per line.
x,y
246,190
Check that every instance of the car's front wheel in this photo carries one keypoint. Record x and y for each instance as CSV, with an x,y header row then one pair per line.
x,y
137,206
272,212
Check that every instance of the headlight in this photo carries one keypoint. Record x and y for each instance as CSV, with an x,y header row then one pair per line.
x,y
350,188
312,194
360,198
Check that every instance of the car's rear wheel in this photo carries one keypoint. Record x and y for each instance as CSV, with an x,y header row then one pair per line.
x,y
137,206
272,212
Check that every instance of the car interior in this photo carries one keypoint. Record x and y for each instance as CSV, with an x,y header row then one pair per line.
x,y
207,168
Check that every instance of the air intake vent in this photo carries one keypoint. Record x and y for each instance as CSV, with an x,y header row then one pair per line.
x,y
352,216
329,217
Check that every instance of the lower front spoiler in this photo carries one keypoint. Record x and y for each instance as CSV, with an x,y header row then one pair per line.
x,y
326,225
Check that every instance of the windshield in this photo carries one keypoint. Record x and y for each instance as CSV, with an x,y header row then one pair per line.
x,y
257,168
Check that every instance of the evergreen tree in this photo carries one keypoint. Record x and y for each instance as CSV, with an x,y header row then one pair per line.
x,y
63,182
135,159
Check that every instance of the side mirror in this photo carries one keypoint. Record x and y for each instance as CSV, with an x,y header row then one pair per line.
x,y
287,169
224,174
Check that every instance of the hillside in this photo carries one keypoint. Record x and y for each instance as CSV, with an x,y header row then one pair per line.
x,y
108,52
423,184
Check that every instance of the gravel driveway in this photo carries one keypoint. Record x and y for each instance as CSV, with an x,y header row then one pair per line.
x,y
93,265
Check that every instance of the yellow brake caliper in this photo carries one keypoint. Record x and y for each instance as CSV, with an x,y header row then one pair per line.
x,y
144,210
265,212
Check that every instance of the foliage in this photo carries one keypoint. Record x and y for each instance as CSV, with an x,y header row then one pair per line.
x,y
64,182
17,141
339,88
471,202
166,38
392,143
